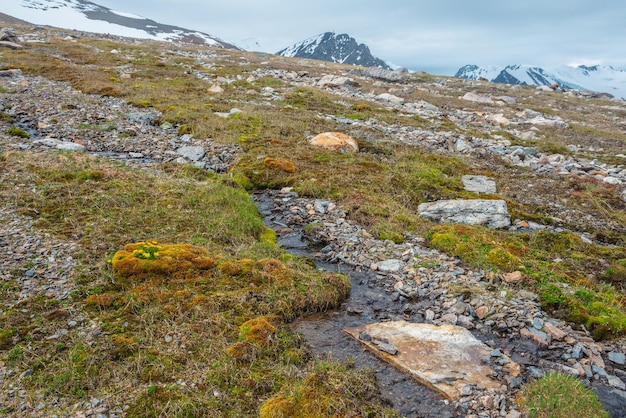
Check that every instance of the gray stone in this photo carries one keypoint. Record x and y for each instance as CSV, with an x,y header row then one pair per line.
x,y
387,348
336,81
191,152
577,351
143,118
616,382
599,371
477,98
386,97
430,315
462,146
382,74
390,266
491,213
479,184
70,146
617,358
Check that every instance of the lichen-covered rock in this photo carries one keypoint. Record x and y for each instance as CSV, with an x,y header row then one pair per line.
x,y
336,141
491,213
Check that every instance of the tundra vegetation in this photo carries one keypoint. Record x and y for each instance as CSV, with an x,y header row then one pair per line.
x,y
188,285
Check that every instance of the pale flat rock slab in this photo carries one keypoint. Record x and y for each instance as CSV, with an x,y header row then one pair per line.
x,y
479,184
445,358
491,213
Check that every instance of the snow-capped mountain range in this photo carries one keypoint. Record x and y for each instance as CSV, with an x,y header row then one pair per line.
x,y
597,78
331,47
87,16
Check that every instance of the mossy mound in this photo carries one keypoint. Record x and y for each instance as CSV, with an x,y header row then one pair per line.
x,y
148,259
281,164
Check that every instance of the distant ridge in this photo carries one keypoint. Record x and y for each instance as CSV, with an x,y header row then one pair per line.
x,y
331,47
87,16
10,19
597,78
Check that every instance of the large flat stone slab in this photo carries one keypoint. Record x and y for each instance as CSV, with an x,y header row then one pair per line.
x,y
491,213
445,358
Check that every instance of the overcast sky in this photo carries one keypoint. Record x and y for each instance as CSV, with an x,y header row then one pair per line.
x,y
437,36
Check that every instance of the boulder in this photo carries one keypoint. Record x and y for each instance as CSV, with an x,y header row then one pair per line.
x,y
60,145
216,88
491,213
7,35
336,81
477,98
445,358
479,184
335,141
386,97
191,152
384,75
498,119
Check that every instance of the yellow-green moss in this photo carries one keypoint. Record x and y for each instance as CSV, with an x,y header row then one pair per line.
x,y
148,259
259,330
268,236
279,406
503,259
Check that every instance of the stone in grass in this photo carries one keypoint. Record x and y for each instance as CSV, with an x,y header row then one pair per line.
x,y
479,184
336,141
445,358
191,152
491,213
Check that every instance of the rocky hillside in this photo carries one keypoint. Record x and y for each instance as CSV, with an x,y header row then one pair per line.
x,y
187,231
331,47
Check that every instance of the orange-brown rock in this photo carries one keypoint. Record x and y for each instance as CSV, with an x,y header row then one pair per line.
x,y
336,141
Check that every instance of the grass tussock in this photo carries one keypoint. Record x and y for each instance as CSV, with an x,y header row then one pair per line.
x,y
559,396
